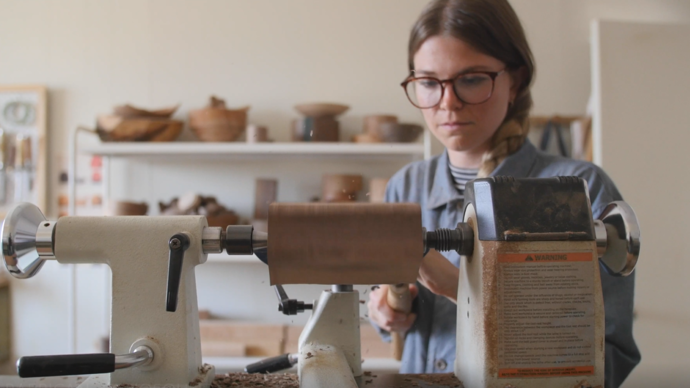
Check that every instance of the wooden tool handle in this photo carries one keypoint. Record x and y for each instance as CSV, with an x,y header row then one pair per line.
x,y
400,300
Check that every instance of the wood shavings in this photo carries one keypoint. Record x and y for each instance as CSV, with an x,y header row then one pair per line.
x,y
247,380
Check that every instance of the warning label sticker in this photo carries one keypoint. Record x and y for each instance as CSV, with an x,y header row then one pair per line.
x,y
546,314
547,372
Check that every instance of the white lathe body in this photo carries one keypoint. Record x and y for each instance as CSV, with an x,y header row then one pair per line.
x,y
136,249
154,338
530,305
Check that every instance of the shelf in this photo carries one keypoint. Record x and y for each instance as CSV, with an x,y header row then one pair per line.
x,y
239,259
299,150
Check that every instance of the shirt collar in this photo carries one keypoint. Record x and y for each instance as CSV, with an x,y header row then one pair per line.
x,y
443,190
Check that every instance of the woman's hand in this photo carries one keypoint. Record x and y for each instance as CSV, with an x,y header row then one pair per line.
x,y
438,275
384,316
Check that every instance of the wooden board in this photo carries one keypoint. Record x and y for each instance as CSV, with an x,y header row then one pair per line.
x,y
344,243
227,338
223,349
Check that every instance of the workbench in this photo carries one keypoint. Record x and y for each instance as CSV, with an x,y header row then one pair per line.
x,y
243,380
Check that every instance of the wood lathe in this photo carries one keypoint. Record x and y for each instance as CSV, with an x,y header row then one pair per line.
x,y
530,305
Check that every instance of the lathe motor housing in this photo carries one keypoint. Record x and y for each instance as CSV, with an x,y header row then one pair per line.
x,y
530,308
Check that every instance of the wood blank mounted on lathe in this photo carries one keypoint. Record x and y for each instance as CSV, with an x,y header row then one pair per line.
x,y
344,243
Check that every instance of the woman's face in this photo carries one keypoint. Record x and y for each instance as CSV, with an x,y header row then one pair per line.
x,y
460,126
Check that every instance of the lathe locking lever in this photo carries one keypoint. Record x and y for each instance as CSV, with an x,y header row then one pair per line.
x,y
178,244
290,306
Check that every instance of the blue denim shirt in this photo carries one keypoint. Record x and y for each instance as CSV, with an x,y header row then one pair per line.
x,y
430,343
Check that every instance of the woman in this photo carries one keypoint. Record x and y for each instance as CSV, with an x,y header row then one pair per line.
x,y
470,74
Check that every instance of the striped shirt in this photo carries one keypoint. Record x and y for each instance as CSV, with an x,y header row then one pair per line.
x,y
461,176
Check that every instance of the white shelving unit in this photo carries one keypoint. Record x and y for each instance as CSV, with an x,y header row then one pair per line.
x,y
261,150
237,150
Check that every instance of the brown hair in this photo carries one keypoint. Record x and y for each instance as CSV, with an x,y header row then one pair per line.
x,y
492,28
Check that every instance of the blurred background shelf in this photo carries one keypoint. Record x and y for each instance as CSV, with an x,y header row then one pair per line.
x,y
264,150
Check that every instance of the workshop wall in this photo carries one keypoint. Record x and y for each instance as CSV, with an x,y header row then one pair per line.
x,y
630,152
264,53
271,55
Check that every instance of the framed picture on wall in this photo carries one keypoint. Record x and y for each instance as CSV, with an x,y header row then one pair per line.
x,y
23,151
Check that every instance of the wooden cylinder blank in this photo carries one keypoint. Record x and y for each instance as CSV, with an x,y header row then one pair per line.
x,y
344,243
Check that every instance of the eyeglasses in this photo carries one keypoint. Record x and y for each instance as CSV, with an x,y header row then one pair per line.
x,y
470,88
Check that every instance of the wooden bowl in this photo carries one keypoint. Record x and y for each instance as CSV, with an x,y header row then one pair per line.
x,y
372,122
126,208
218,124
339,197
321,109
223,219
398,132
129,111
340,186
170,133
114,128
365,138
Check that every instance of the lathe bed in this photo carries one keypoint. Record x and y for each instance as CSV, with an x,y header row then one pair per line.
x,y
278,380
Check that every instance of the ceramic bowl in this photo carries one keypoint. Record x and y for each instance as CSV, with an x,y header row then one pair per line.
x,y
372,122
323,128
398,132
321,109
126,208
218,124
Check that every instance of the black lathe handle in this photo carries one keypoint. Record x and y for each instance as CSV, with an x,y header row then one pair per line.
x,y
273,364
178,244
66,365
